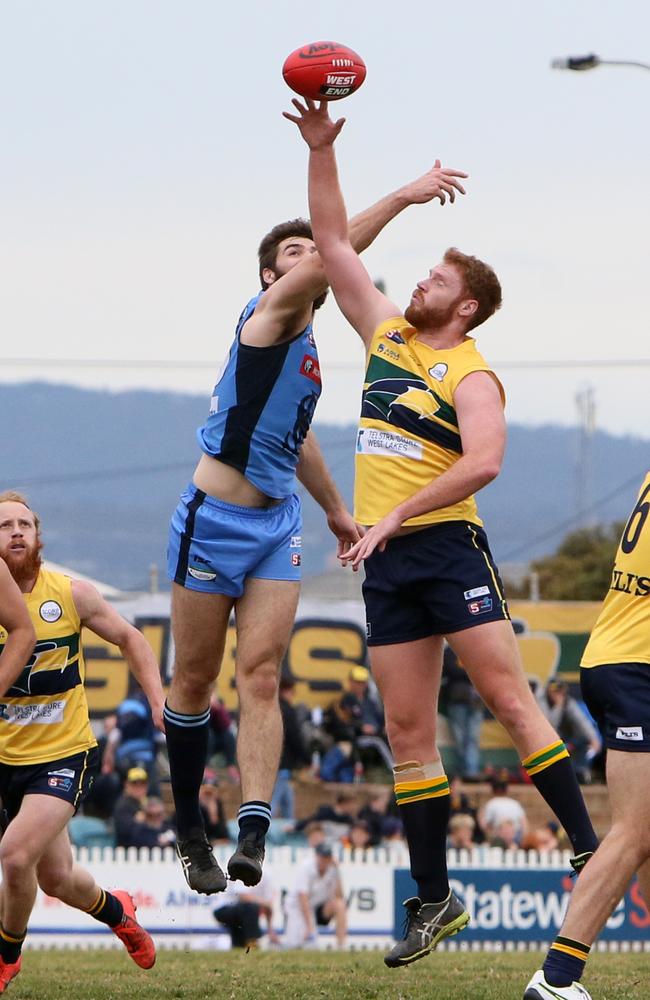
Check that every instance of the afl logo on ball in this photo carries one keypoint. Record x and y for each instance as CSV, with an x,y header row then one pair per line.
x,y
50,611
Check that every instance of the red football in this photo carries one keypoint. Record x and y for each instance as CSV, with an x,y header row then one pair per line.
x,y
324,71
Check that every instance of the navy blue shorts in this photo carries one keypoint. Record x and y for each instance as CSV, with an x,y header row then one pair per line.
x,y
618,697
69,778
215,546
438,580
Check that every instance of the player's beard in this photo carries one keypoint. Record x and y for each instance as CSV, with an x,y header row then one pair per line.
x,y
24,566
422,317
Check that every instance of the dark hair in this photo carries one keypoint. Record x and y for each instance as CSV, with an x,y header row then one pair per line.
x,y
481,283
267,251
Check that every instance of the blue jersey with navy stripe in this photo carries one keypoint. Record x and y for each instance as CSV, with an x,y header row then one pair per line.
x,y
261,408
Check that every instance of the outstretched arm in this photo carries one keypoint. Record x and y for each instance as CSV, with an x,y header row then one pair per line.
x,y
98,615
361,302
14,618
315,477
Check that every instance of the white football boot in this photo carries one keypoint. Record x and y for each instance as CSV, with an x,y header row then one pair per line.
x,y
539,989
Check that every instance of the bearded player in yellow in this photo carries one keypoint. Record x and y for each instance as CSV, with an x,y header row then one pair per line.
x,y
48,753
432,434
615,681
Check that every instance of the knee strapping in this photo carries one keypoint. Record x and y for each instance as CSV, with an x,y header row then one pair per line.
x,y
415,770
415,781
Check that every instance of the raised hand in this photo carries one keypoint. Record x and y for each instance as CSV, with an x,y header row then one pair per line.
x,y
439,182
316,127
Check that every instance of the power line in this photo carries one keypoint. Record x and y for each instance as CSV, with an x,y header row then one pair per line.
x,y
150,363
568,522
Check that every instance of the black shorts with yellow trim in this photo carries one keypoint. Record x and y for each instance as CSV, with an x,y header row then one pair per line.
x,y
67,778
434,581
618,697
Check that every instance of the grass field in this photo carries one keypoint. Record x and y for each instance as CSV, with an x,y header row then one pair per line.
x,y
217,975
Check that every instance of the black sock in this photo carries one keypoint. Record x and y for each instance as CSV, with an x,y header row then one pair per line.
x,y
187,746
10,945
254,817
425,825
107,909
551,771
565,962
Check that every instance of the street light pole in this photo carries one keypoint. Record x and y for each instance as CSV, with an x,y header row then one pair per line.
x,y
581,63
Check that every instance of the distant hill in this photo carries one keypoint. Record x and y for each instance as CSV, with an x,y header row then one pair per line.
x,y
105,469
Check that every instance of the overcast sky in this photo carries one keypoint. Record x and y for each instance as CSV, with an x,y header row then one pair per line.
x,y
143,154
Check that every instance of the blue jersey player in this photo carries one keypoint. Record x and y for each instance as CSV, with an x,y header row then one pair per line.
x,y
235,536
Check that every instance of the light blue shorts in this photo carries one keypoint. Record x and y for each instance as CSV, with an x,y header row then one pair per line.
x,y
215,546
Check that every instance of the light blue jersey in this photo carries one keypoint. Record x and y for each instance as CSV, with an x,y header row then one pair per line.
x,y
262,407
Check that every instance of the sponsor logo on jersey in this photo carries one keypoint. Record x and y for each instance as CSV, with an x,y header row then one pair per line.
x,y
214,404
50,611
395,336
629,733
64,772
65,784
373,441
480,607
476,592
200,574
439,371
388,351
310,367
26,715
310,340
295,559
296,542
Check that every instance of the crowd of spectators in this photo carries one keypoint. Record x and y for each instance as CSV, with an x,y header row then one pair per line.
x,y
344,743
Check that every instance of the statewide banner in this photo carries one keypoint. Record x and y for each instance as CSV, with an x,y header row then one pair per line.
x,y
524,905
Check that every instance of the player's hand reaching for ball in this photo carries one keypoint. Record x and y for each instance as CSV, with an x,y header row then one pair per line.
x,y
439,182
316,127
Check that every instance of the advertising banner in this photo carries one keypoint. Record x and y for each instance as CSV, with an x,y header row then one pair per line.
x,y
524,904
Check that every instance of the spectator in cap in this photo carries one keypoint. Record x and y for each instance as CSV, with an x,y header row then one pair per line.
x,y
129,808
134,740
572,725
357,718
315,900
212,810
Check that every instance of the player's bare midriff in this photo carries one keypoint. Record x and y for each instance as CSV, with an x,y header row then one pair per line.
x,y
225,483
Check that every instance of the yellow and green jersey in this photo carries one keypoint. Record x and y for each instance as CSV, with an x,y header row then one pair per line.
x,y
44,715
408,434
622,632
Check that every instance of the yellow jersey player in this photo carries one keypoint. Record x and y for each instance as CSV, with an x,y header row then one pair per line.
x,y
615,681
48,753
432,433
235,536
